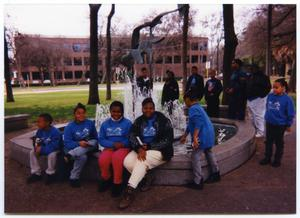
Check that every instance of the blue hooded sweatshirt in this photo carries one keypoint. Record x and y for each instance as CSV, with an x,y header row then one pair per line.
x,y
78,131
198,119
149,131
279,110
114,131
50,140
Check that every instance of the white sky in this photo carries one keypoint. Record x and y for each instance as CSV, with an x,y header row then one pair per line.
x,y
73,19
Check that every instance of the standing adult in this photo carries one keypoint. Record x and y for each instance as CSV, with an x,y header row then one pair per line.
x,y
258,87
170,91
237,91
195,84
212,90
144,83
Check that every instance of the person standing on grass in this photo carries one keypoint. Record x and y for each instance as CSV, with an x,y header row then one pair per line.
x,y
151,138
280,113
237,91
170,91
80,137
203,139
113,136
258,87
46,142
212,90
195,83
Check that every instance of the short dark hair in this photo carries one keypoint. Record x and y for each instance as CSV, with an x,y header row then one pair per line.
x,y
238,62
79,106
171,73
47,117
148,100
195,67
143,69
283,83
191,95
117,104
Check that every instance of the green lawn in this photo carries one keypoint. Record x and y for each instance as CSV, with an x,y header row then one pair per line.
x,y
59,104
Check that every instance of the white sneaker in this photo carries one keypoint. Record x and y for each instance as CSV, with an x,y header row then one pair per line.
x,y
258,135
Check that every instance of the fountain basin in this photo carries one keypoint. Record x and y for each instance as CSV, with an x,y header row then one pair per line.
x,y
230,155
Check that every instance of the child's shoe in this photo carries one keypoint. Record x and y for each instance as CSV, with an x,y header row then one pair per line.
x,y
75,183
265,161
147,182
214,177
276,164
193,185
127,197
33,178
116,190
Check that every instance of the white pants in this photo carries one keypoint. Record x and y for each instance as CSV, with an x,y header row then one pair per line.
x,y
35,165
257,109
139,168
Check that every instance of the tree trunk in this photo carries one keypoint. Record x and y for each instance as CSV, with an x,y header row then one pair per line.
x,y
269,42
108,53
231,43
185,29
9,91
93,87
292,82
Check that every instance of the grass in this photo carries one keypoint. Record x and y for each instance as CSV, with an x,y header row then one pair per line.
x,y
59,104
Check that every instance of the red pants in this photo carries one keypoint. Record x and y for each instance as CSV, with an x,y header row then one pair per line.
x,y
108,158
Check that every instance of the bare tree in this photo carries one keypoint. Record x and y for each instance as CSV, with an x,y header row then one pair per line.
x,y
231,43
93,88
9,91
108,53
185,27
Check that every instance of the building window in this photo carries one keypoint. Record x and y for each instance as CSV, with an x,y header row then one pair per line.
x,y
159,60
194,58
58,75
77,61
36,75
86,61
78,74
68,75
203,46
168,60
203,58
68,61
76,47
25,75
46,76
177,59
86,47
194,46
187,59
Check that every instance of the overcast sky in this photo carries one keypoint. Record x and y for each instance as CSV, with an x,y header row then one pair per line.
x,y
73,19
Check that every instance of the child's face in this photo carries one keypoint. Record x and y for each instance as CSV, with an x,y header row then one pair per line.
x,y
278,89
80,115
148,110
116,113
187,102
42,123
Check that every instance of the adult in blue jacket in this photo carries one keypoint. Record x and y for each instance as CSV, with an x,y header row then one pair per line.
x,y
46,142
80,137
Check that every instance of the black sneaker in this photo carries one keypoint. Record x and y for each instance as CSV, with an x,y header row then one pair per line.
x,y
147,182
116,190
50,179
195,186
75,183
265,161
127,197
33,178
214,177
103,185
276,164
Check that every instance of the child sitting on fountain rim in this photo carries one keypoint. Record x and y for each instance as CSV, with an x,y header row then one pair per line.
x,y
113,136
46,142
80,137
203,139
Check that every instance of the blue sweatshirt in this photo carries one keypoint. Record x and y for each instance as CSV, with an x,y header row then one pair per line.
x,y
114,131
50,140
75,132
198,119
149,132
279,110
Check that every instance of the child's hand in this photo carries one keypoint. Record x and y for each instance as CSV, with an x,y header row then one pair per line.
x,y
289,129
38,150
183,139
83,144
195,143
141,154
145,146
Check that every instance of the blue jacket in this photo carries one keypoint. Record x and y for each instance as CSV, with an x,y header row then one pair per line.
x,y
279,110
198,119
114,131
75,132
50,140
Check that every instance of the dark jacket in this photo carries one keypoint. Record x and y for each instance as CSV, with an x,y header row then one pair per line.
x,y
258,86
216,88
145,86
196,84
238,80
163,140
170,91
